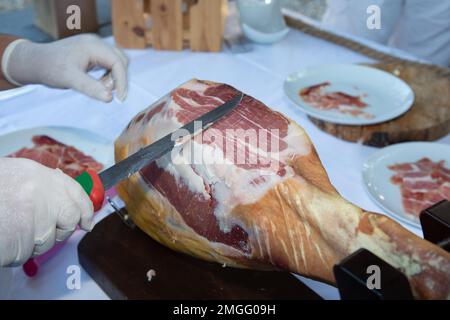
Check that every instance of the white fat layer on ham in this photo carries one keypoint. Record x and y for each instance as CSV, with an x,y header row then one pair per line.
x,y
230,184
163,123
176,222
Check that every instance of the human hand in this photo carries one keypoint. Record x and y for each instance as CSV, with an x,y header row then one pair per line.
x,y
65,63
38,207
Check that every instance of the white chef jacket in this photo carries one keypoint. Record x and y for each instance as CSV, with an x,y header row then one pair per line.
x,y
419,27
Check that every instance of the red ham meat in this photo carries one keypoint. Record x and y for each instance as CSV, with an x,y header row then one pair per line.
x,y
250,192
54,154
422,184
316,96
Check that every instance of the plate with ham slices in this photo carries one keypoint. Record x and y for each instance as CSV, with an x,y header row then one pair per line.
x,y
408,177
72,150
349,94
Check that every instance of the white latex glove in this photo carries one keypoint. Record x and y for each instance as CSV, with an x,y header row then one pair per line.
x,y
38,207
65,63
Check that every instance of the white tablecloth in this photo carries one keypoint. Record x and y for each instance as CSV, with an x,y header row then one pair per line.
x,y
259,73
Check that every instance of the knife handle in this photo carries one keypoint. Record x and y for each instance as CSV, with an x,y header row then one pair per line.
x,y
93,186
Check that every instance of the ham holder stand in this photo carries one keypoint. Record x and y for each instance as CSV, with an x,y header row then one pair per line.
x,y
118,256
352,275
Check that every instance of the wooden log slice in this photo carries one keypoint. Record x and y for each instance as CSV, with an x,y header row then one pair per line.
x,y
427,120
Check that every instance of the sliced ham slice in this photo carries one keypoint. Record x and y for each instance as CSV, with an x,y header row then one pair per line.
x,y
273,209
317,97
54,154
422,184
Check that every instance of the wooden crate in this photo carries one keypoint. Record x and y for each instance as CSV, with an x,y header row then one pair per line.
x,y
51,16
169,24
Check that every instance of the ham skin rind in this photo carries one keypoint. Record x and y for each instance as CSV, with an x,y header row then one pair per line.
x,y
286,216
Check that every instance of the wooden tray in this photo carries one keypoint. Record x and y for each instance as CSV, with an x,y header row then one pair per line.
x,y
427,120
118,259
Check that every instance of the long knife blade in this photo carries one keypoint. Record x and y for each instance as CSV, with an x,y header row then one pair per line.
x,y
139,159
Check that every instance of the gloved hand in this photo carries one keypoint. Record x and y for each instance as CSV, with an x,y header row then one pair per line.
x,y
38,206
64,64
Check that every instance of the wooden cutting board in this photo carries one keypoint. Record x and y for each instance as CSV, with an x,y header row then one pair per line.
x,y
118,259
427,120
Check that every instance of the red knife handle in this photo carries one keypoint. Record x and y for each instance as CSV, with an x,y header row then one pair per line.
x,y
91,183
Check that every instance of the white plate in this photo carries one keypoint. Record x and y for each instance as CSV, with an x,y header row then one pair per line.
x,y
386,95
376,175
90,143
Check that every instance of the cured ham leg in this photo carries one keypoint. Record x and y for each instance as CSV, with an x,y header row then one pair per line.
x,y
264,203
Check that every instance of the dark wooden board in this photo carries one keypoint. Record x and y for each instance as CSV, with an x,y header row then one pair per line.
x,y
427,120
118,259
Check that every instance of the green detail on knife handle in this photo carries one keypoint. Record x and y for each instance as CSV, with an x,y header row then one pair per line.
x,y
93,186
85,181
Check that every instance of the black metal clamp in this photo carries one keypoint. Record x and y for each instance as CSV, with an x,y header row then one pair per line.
x,y
356,275
122,213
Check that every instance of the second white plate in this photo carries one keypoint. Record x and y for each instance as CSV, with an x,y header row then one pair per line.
x,y
386,95
377,175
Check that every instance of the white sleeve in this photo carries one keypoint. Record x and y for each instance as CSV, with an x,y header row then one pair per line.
x,y
5,60
351,16
424,30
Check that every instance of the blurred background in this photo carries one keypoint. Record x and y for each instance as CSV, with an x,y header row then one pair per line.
x,y
419,28
16,16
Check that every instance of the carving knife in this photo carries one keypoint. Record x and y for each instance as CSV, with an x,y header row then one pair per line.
x,y
95,184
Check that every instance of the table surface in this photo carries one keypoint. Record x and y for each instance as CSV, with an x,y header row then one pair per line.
x,y
152,74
